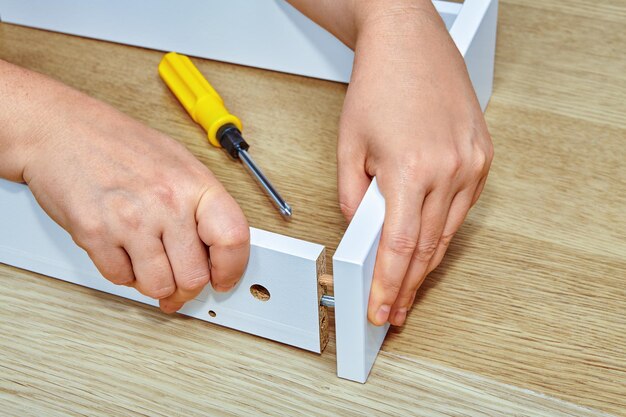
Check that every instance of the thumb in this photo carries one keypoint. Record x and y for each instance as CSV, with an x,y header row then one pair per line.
x,y
224,229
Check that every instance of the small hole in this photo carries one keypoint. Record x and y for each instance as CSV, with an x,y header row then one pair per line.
x,y
260,292
212,313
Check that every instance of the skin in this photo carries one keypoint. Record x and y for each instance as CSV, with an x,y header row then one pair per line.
x,y
411,119
147,212
151,216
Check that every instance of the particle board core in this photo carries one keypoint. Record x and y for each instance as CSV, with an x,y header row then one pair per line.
x,y
260,293
321,290
326,281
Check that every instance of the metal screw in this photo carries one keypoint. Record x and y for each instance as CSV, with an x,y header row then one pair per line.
x,y
327,301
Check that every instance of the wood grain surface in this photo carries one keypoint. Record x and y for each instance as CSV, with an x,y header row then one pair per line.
x,y
526,315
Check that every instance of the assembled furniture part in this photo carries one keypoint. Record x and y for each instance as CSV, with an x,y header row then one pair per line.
x,y
276,35
279,295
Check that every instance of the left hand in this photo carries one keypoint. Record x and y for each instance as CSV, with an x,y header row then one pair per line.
x,y
410,118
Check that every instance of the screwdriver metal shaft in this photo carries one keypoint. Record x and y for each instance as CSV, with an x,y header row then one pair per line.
x,y
206,107
235,145
256,172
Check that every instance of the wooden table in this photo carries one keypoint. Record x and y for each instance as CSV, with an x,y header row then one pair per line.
x,y
526,315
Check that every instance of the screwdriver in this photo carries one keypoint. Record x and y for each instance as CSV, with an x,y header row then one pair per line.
x,y
207,108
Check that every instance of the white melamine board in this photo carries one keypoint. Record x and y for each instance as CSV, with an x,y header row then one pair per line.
x,y
287,267
268,34
358,341
474,33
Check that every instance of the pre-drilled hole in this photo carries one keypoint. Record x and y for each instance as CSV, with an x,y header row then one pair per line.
x,y
212,313
260,292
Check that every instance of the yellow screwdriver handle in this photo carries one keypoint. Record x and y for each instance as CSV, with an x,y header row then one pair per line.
x,y
196,95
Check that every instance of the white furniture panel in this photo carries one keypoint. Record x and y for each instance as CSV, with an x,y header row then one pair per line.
x,y
268,34
358,341
474,33
286,267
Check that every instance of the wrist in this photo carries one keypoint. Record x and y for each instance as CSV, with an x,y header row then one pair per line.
x,y
28,99
17,136
408,36
394,16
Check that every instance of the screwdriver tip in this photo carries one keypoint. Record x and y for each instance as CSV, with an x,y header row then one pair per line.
x,y
286,210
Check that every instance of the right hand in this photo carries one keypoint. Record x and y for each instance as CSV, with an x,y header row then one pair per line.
x,y
147,212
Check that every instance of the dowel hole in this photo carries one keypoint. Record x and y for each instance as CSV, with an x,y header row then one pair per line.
x,y
260,292
212,313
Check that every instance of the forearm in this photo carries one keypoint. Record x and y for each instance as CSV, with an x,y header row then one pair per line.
x,y
26,100
347,18
406,37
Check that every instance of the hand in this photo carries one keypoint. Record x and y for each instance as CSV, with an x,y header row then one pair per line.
x,y
148,213
410,118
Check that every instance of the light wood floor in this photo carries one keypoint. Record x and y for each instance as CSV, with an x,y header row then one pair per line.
x,y
526,315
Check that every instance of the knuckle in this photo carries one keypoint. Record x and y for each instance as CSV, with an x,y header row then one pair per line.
x,y
159,291
401,244
117,274
194,281
390,285
347,209
426,249
480,162
490,151
86,231
488,158
452,165
130,216
404,296
235,237
166,195
128,212
484,155
446,239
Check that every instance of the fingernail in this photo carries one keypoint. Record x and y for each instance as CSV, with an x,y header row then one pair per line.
x,y
400,317
382,315
223,288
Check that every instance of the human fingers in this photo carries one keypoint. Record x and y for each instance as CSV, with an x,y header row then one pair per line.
x,y
479,190
113,263
458,212
153,273
398,241
433,218
224,229
190,264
